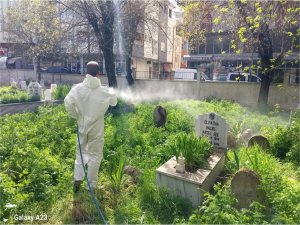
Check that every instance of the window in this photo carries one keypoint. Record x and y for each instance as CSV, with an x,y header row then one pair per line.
x,y
202,48
170,13
209,45
163,46
154,47
217,46
226,45
295,76
165,9
139,38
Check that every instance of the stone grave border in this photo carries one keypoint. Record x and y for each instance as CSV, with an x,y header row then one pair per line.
x,y
21,107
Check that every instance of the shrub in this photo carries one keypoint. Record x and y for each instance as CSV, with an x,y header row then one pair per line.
x,y
285,142
61,91
13,95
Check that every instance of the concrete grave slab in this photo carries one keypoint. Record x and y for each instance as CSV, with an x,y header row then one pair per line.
x,y
190,186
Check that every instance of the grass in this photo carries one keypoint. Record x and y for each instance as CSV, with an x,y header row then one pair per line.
x,y
146,148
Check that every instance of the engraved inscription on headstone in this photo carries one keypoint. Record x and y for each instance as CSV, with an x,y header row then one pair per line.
x,y
214,127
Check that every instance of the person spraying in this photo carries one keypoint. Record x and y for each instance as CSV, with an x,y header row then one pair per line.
x,y
87,102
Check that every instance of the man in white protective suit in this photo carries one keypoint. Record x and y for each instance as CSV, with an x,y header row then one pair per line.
x,y
87,102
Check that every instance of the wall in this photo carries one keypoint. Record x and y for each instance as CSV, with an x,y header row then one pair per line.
x,y
6,75
285,95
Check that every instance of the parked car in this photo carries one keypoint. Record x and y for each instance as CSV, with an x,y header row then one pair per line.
x,y
29,67
244,77
56,69
185,74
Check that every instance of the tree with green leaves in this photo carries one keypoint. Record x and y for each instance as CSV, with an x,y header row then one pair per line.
x,y
197,21
262,25
35,24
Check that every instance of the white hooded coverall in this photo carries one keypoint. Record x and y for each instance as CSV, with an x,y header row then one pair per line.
x,y
87,102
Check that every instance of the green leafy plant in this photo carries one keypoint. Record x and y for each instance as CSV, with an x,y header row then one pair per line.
x,y
61,91
195,150
116,166
285,140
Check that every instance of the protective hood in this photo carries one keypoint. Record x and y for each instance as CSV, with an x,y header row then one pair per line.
x,y
91,82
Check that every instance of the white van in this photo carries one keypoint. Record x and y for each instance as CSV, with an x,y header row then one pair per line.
x,y
185,74
242,77
3,61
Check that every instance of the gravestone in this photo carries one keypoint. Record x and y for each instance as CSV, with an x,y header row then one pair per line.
x,y
23,85
159,116
259,140
245,187
34,88
13,84
53,87
48,94
42,83
214,127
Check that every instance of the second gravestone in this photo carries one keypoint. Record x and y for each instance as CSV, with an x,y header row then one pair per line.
x,y
245,187
214,127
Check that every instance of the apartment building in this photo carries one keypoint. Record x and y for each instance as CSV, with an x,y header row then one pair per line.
x,y
157,49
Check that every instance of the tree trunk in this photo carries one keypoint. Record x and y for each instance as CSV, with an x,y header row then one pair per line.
x,y
37,68
264,90
129,77
107,48
110,67
265,51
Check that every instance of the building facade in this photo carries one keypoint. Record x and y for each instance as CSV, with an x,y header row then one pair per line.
x,y
157,50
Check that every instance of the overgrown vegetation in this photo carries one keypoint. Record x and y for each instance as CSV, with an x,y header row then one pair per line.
x,y
195,150
285,140
279,182
14,95
61,91
37,152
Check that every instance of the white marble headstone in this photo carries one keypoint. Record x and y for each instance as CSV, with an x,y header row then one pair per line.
x,y
214,127
13,84
34,88
23,85
42,83
53,87
47,94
